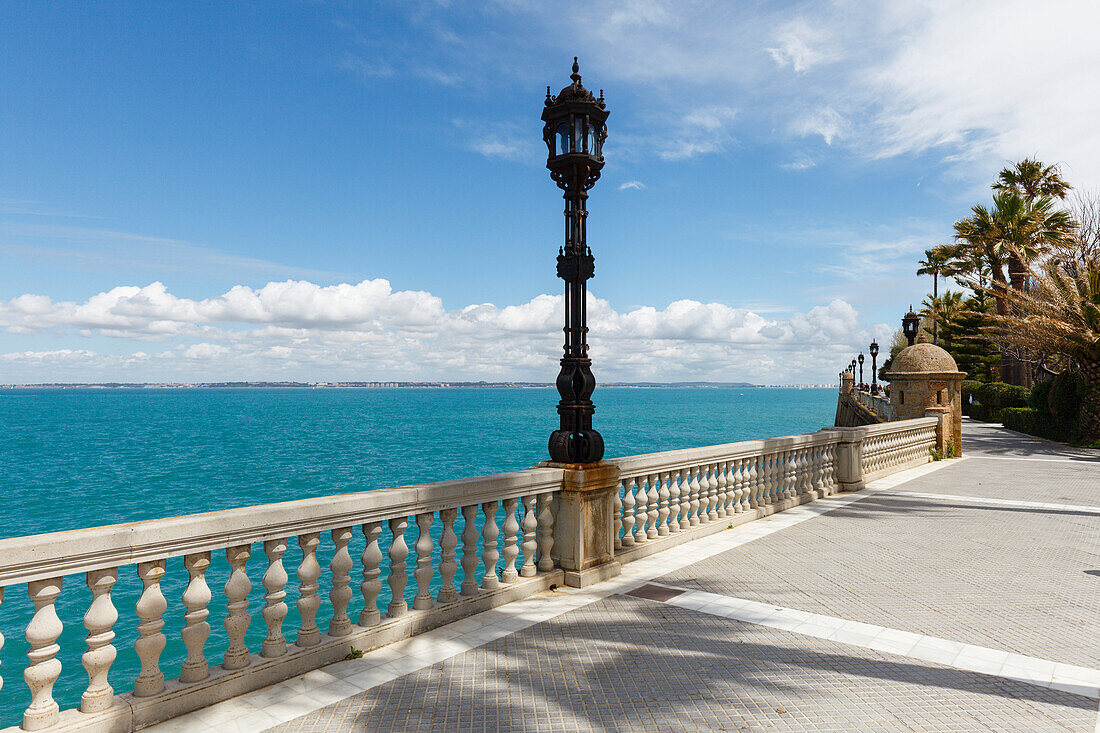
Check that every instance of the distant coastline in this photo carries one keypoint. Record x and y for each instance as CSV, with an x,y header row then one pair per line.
x,y
391,385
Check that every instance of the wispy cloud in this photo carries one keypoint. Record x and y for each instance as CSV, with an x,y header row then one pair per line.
x,y
799,164
629,185
110,250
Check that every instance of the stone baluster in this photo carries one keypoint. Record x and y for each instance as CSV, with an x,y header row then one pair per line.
x,y
530,537
663,496
711,509
774,477
470,537
372,575
340,594
671,478
150,642
653,498
399,576
44,668
756,481
702,496
641,512
489,554
724,490
546,532
683,476
694,518
448,541
790,476
801,466
628,513
511,541
738,483
423,573
818,457
309,570
196,629
275,608
99,620
237,618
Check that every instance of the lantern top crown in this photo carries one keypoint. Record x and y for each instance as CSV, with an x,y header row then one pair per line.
x,y
574,92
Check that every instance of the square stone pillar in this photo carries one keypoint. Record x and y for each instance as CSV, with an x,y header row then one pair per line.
x,y
849,459
584,541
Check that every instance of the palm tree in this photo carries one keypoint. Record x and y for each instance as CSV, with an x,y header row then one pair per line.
x,y
1061,315
1012,234
934,262
1032,180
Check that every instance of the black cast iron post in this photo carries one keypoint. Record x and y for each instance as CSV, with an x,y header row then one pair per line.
x,y
574,133
873,348
860,357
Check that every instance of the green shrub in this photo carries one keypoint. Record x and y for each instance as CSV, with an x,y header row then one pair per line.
x,y
995,396
1036,422
1067,392
979,411
1040,396
969,390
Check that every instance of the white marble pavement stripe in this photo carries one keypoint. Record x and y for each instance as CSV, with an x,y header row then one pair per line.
x,y
262,709
1045,673
1082,459
997,502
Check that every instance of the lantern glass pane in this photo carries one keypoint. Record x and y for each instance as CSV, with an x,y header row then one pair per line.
x,y
591,147
578,138
563,139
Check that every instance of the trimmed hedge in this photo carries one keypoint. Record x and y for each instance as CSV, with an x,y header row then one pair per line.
x,y
996,396
1037,422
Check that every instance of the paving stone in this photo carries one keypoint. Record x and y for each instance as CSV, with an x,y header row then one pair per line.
x,y
629,664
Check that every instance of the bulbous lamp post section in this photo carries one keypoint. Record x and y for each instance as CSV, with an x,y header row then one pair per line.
x,y
574,133
909,326
860,357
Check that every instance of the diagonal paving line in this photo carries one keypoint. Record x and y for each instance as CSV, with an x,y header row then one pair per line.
x,y
1083,681
997,502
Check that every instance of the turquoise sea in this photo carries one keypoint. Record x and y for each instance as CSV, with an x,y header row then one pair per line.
x,y
73,458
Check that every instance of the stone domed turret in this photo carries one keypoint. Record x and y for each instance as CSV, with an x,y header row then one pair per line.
x,y
921,359
925,381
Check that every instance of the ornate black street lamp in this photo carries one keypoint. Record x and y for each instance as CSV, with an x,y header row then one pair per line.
x,y
852,368
860,357
574,133
909,325
873,348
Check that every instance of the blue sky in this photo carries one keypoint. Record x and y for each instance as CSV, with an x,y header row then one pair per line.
x,y
356,190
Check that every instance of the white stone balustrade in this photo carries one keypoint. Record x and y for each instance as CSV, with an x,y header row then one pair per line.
x,y
667,498
409,545
507,535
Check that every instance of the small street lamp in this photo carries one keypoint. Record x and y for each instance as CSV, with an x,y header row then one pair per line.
x,y
861,370
852,367
909,325
873,348
574,134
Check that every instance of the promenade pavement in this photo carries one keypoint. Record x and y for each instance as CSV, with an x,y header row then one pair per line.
x,y
959,596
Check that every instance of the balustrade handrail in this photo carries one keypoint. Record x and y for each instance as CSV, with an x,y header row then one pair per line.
x,y
669,460
54,554
894,426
